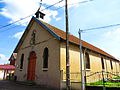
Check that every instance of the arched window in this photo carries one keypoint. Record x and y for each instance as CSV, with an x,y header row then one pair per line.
x,y
45,58
102,61
87,60
21,61
111,64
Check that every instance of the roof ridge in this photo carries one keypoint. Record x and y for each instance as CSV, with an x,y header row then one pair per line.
x,y
77,40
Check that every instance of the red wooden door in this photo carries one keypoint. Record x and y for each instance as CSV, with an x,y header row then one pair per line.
x,y
31,66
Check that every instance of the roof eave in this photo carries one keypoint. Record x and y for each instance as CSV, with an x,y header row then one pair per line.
x,y
92,50
22,38
44,26
49,30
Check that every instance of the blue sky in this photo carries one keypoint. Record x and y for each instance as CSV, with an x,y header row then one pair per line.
x,y
94,13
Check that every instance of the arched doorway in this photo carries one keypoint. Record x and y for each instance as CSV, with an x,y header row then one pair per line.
x,y
31,66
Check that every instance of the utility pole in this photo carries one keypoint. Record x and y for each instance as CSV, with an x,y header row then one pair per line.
x,y
81,63
67,48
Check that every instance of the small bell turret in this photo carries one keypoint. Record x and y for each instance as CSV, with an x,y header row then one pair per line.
x,y
39,14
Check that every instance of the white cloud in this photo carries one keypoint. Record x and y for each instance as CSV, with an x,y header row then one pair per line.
x,y
3,57
50,2
18,35
115,33
58,19
111,42
17,9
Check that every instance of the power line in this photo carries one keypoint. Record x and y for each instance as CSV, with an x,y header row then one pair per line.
x,y
56,9
89,29
71,5
4,30
15,22
81,2
41,10
52,5
28,16
25,18
9,28
108,26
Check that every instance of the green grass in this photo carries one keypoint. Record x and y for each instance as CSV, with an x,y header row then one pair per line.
x,y
116,78
97,83
106,84
110,84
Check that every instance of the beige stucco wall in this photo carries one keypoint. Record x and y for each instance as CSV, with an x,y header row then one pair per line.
x,y
108,65
93,74
1,74
51,77
117,67
114,66
74,61
95,64
57,60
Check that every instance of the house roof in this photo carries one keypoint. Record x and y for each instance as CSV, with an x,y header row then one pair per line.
x,y
75,40
61,35
13,56
7,67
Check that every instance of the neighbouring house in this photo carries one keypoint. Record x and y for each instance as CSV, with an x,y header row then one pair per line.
x,y
41,57
12,59
5,70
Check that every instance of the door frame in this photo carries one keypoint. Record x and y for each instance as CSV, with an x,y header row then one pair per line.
x,y
30,66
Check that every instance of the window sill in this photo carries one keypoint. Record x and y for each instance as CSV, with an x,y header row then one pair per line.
x,y
88,69
103,70
45,69
21,69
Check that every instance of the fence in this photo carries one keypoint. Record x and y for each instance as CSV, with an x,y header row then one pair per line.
x,y
74,77
102,78
106,79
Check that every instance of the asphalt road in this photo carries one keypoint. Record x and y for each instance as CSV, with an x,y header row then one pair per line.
x,y
10,85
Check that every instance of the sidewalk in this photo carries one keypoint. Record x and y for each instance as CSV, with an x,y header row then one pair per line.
x,y
10,85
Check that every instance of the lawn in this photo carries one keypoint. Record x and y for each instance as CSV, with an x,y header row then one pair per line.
x,y
116,78
105,83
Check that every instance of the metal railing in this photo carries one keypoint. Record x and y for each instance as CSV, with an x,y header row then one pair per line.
x,y
92,77
105,79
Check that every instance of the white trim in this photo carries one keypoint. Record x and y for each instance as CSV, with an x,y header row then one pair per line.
x,y
88,69
103,70
45,69
71,81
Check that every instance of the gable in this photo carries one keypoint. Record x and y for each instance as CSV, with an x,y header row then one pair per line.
x,y
60,35
42,33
